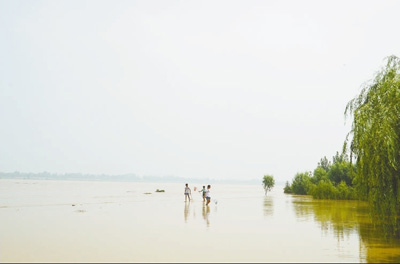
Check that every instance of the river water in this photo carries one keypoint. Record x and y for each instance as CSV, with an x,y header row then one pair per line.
x,y
65,221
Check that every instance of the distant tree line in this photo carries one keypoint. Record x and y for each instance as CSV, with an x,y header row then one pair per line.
x,y
129,177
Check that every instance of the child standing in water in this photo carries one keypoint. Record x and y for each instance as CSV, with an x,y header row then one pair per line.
x,y
188,192
208,196
204,193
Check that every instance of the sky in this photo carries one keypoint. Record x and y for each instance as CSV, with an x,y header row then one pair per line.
x,y
197,89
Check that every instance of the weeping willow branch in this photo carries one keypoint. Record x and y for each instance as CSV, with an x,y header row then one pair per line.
x,y
375,143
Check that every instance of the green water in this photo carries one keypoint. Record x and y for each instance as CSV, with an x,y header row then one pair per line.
x,y
345,218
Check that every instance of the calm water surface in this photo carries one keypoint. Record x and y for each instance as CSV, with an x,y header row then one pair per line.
x,y
55,221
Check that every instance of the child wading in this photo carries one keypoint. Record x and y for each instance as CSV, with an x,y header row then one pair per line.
x,y
208,196
204,193
188,192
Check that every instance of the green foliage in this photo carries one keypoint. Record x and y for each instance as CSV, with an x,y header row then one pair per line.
x,y
324,164
341,171
345,192
330,180
287,188
301,183
375,144
160,190
268,183
320,174
324,190
338,158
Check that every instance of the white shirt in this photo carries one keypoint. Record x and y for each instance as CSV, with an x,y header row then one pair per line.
x,y
208,193
187,190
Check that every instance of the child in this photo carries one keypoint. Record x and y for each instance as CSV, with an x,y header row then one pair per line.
x,y
208,196
188,192
204,193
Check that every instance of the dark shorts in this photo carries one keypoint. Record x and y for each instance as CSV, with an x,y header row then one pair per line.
x,y
208,198
187,194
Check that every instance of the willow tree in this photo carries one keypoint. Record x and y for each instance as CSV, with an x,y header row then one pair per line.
x,y
375,143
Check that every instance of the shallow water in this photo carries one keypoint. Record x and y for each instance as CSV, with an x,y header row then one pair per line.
x,y
56,221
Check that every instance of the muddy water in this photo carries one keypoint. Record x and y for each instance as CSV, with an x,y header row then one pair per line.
x,y
55,221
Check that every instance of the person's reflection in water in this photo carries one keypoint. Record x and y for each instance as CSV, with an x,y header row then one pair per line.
x,y
206,213
186,211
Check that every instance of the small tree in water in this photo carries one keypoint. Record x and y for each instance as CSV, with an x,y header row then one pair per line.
x,y
268,183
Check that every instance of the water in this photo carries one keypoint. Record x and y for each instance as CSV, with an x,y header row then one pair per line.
x,y
55,221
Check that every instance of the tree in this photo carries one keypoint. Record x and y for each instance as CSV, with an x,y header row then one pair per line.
x,y
341,171
324,163
319,174
301,183
339,157
375,144
287,188
268,183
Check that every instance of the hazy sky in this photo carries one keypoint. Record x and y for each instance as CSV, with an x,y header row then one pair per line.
x,y
219,89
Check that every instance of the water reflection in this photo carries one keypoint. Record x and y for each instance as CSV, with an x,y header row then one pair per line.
x,y
206,214
186,211
344,218
189,212
338,216
379,248
268,206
